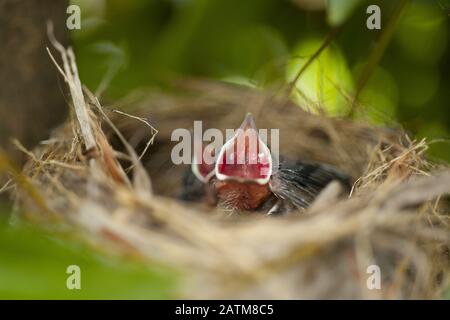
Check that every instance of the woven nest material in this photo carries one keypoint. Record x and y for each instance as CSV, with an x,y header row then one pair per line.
x,y
90,176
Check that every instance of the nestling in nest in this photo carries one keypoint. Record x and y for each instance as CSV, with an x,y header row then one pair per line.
x,y
396,216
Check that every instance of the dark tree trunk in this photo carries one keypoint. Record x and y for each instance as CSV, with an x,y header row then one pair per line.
x,y
31,101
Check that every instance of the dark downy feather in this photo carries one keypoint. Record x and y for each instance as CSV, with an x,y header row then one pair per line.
x,y
298,183
192,188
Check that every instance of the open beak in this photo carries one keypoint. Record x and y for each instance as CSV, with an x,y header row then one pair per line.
x,y
245,157
201,168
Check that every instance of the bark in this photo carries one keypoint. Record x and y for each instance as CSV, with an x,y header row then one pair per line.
x,y
31,101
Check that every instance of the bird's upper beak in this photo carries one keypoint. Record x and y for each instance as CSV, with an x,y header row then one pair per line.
x,y
245,157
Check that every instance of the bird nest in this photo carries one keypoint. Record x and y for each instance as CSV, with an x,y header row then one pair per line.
x,y
108,176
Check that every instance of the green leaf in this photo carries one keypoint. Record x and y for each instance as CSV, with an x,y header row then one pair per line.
x,y
326,81
33,265
339,10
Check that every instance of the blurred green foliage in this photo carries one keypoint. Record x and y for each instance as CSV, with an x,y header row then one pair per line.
x,y
339,11
33,265
264,43
319,81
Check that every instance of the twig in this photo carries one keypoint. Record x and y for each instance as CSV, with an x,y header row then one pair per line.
x,y
377,54
70,75
6,186
154,132
329,38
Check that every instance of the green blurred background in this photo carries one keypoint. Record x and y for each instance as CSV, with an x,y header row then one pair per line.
x,y
263,43
33,265
126,45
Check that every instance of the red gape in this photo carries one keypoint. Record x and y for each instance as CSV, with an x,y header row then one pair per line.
x,y
245,157
201,169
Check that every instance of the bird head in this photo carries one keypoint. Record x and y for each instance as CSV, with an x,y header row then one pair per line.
x,y
242,169
244,158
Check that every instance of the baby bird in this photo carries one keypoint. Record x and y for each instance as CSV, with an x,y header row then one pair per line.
x,y
244,177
